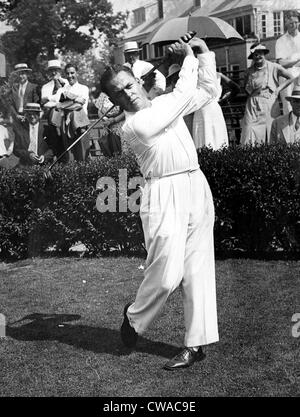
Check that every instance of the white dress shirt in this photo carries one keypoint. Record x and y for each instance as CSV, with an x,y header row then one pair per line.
x,y
288,47
81,91
22,88
47,93
4,135
34,137
158,134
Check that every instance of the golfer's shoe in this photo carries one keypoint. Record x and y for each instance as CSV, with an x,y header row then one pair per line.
x,y
184,359
128,335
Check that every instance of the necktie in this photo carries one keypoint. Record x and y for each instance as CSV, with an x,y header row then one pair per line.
x,y
297,124
57,85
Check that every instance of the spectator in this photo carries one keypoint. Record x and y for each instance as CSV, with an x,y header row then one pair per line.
x,y
32,147
262,106
287,52
6,143
141,68
22,92
111,141
71,115
286,128
50,96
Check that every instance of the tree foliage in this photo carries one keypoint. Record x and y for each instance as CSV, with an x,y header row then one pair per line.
x,y
43,26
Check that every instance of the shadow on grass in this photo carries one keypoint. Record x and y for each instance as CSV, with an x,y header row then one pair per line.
x,y
96,339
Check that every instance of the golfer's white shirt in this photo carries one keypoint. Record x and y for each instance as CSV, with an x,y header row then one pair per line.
x,y
34,137
158,134
47,92
81,91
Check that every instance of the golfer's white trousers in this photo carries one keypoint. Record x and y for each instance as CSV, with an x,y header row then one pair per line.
x,y
177,213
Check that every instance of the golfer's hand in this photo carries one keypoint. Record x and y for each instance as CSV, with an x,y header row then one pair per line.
x,y
198,45
80,100
181,47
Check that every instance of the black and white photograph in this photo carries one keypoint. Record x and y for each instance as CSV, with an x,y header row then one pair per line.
x,y
149,202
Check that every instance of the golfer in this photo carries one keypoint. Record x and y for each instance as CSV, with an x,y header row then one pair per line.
x,y
177,209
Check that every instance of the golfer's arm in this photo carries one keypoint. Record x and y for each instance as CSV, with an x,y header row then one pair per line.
x,y
167,108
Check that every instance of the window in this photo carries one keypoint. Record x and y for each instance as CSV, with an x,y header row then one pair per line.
x,y
263,26
243,24
197,3
160,9
158,51
277,23
234,72
139,16
144,52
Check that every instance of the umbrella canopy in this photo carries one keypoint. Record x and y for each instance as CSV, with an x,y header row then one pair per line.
x,y
205,26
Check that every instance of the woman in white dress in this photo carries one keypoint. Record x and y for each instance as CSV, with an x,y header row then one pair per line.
x,y
209,127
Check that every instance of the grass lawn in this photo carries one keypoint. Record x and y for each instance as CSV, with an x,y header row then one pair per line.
x,y
68,342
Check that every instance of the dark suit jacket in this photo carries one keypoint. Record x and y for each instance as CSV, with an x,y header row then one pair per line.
x,y
22,143
31,96
282,129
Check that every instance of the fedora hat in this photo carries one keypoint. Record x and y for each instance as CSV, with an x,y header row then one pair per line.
x,y
173,69
131,46
258,47
295,94
32,107
21,67
54,64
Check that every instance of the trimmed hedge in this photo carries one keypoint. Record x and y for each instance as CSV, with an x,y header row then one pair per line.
x,y
255,189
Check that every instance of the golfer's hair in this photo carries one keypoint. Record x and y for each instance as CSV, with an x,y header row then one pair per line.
x,y
70,65
109,73
292,13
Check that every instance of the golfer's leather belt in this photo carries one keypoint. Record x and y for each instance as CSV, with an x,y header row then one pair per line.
x,y
171,174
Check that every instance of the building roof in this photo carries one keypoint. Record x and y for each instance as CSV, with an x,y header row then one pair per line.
x,y
214,7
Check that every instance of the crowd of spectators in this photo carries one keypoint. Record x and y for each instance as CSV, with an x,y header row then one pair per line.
x,y
39,124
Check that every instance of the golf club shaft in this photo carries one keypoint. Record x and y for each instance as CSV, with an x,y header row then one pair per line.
x,y
80,137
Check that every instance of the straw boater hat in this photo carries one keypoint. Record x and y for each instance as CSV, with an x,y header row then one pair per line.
x,y
258,47
21,67
32,107
54,64
173,69
131,46
295,94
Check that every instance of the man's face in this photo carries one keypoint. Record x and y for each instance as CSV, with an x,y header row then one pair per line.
x,y
131,57
33,117
23,77
54,73
127,93
292,25
259,57
71,75
296,106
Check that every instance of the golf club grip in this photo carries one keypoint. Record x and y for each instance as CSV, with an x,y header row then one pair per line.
x,y
192,33
156,66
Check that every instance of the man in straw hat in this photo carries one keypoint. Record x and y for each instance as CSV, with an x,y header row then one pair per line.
x,y
51,91
22,92
286,128
140,68
287,52
177,209
32,147
50,96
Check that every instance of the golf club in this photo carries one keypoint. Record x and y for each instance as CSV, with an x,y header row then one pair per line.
x,y
47,174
